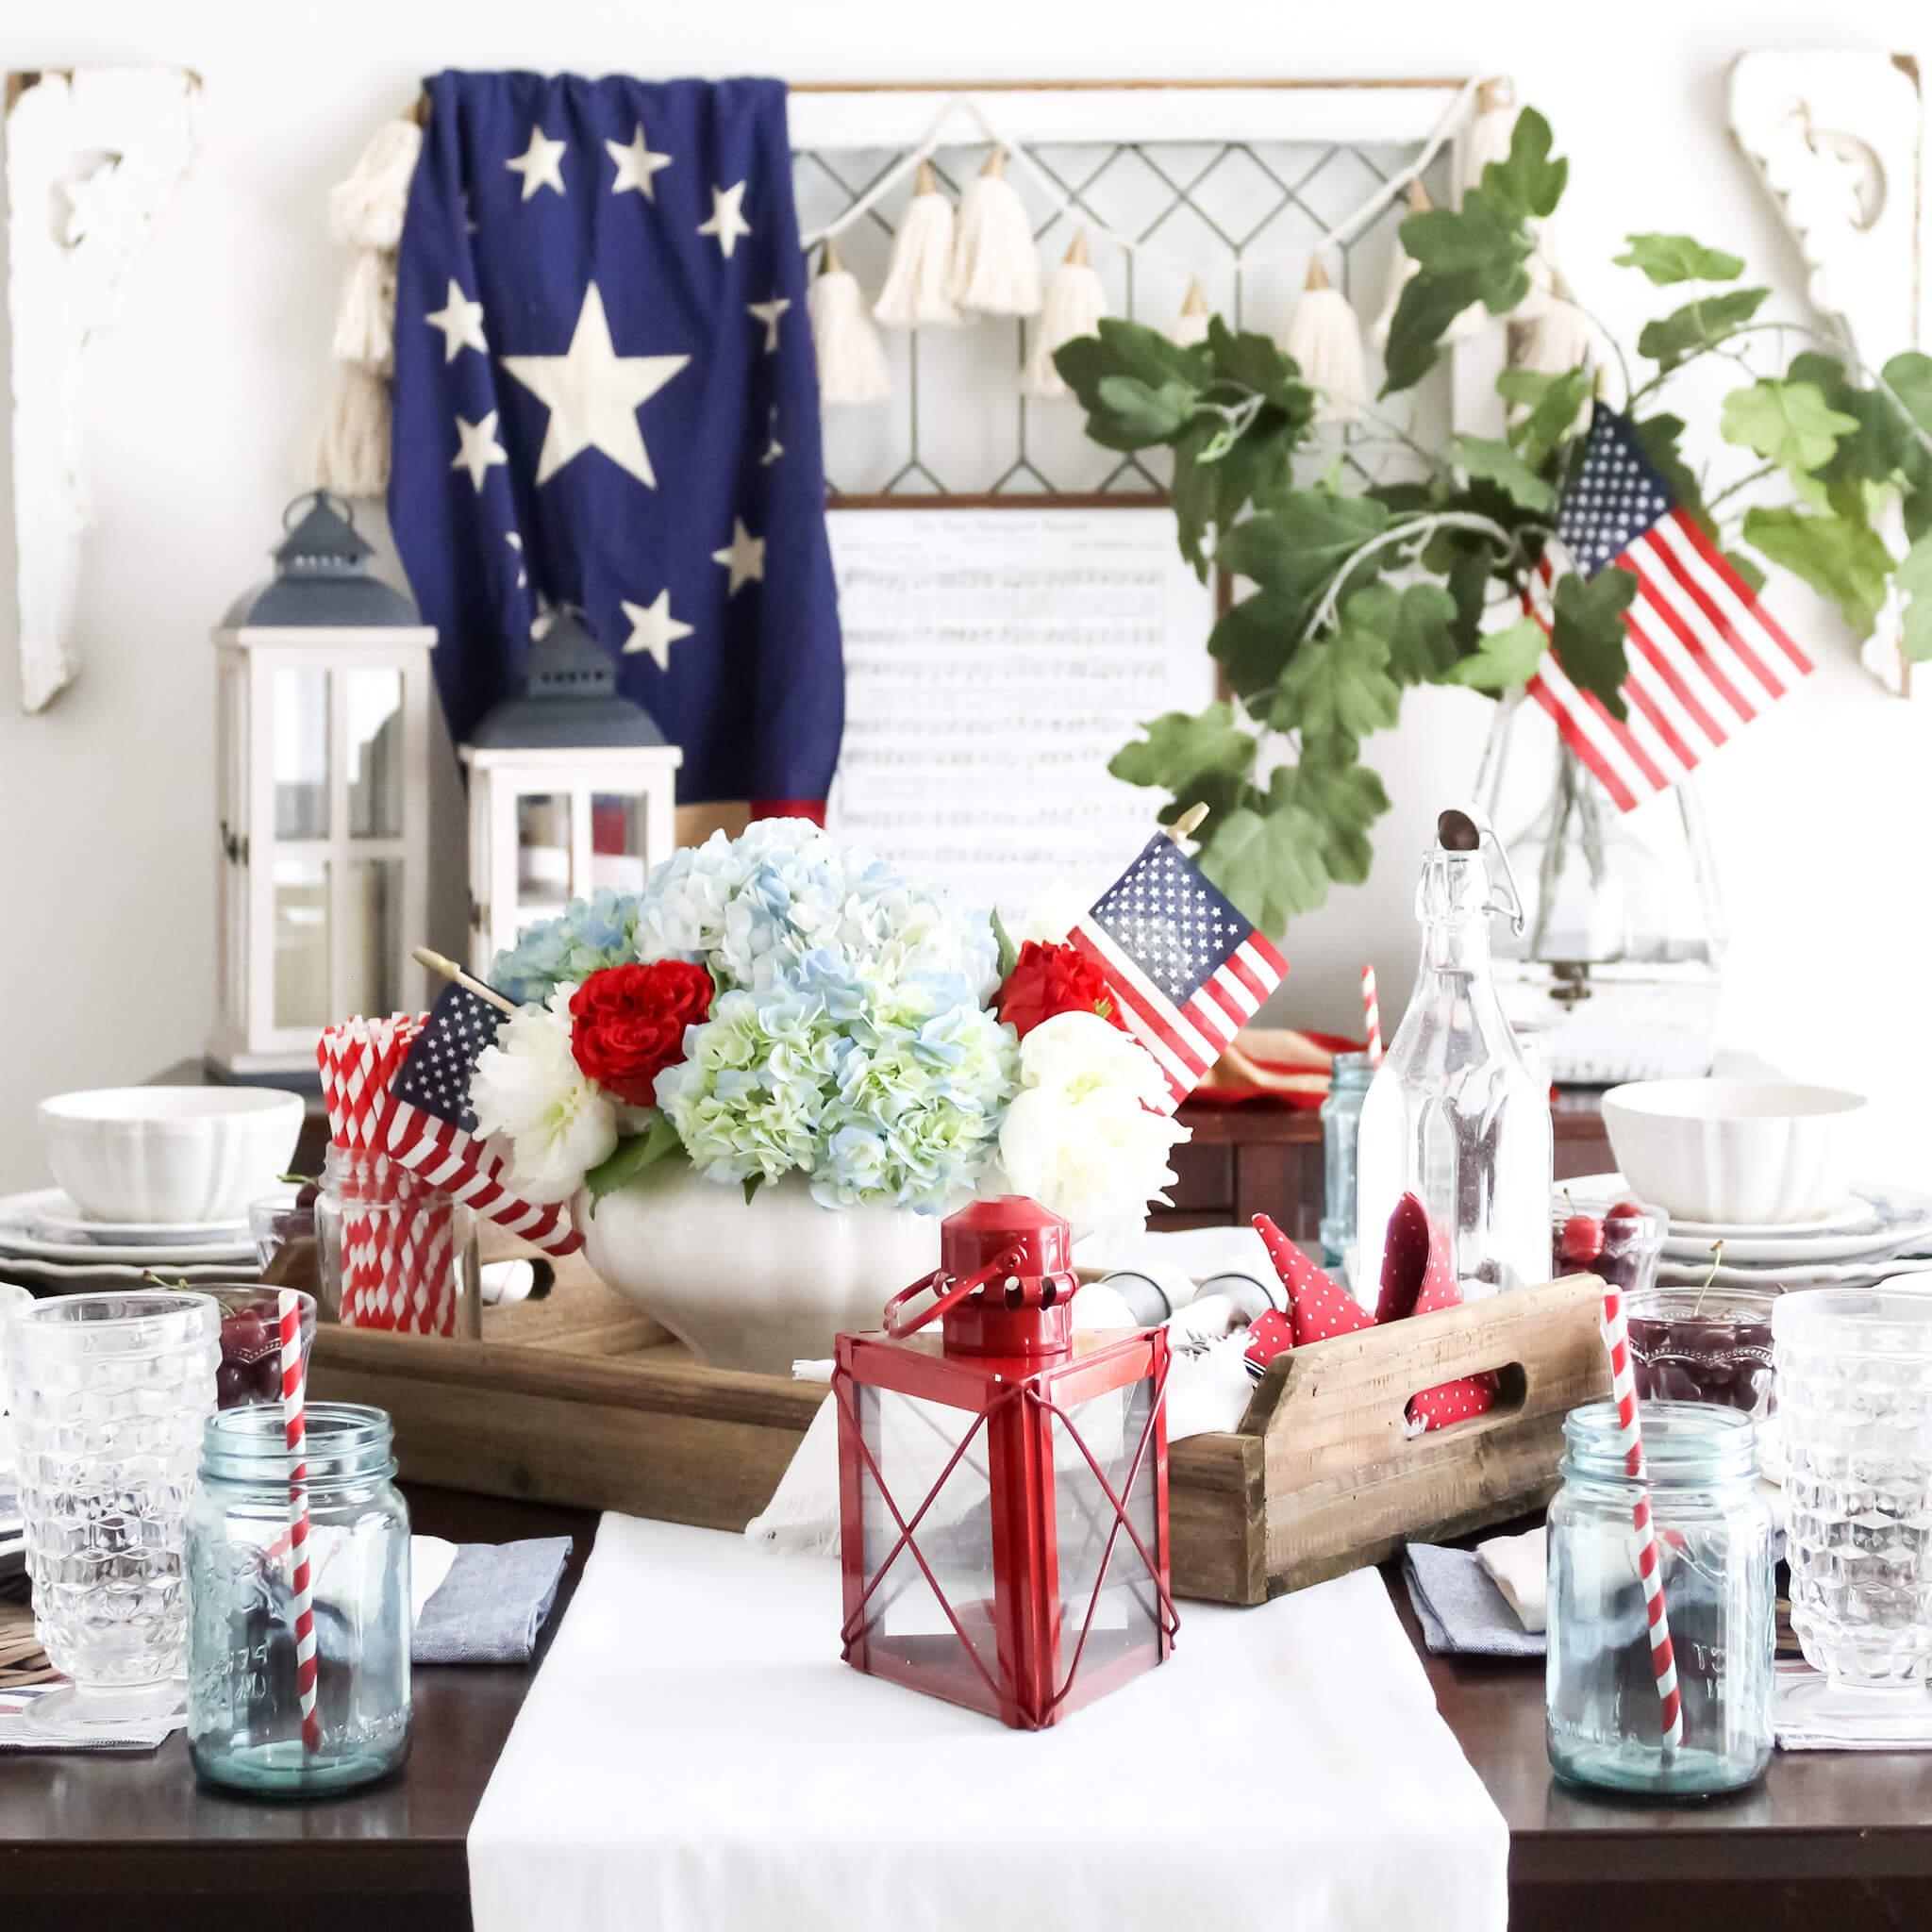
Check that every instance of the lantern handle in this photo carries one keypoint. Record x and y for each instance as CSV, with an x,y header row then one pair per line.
x,y
340,505
958,1293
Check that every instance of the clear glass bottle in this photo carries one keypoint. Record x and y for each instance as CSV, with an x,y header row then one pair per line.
x,y
1605,1720
245,1715
1452,1115
1341,1116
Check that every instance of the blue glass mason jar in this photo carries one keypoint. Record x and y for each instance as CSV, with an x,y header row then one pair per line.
x,y
1604,1719
244,1712
1341,1119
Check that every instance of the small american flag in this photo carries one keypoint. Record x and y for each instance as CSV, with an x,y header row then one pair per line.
x,y
1191,971
1705,656
433,1130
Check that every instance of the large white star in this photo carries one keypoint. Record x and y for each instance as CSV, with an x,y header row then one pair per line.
x,y
727,221
653,629
593,394
461,322
541,163
768,313
743,557
636,164
477,449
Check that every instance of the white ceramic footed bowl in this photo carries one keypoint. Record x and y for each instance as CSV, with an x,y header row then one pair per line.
x,y
757,1285
179,1154
1750,1152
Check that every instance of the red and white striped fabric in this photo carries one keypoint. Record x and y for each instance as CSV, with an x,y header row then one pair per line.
x,y
1704,657
1189,971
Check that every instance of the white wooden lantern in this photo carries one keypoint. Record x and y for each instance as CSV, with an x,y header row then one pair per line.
x,y
323,798
571,789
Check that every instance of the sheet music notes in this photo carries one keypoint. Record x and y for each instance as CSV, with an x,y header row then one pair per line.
x,y
995,659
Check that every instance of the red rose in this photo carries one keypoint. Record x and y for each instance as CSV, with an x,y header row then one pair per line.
x,y
628,1023
1046,980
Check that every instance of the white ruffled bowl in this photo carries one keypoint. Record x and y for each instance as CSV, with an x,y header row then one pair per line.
x,y
1749,1153
758,1285
169,1153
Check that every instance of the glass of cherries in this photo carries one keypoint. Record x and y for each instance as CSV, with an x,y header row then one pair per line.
x,y
1621,1246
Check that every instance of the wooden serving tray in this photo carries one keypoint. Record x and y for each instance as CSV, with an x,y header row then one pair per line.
x,y
581,1399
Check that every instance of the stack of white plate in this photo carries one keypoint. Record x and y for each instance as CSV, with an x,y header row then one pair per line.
x,y
1876,1233
50,1244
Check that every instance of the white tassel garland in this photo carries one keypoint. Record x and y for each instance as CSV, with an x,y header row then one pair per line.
x,y
1402,268
366,210
366,316
995,264
1324,338
852,359
1190,325
922,264
1562,337
1488,135
350,454
1076,301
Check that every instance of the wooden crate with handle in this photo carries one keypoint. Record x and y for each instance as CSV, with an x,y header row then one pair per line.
x,y
580,1399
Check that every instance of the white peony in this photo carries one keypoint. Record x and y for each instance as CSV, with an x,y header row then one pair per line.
x,y
1053,915
1081,1137
535,1103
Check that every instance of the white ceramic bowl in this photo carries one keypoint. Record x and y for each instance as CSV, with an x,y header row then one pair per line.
x,y
173,1153
1751,1152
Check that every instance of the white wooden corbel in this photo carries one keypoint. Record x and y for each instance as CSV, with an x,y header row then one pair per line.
x,y
90,156
1837,134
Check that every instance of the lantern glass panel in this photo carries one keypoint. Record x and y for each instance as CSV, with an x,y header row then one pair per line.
x,y
375,753
302,941
373,910
617,841
301,755
542,848
912,1440
1126,1616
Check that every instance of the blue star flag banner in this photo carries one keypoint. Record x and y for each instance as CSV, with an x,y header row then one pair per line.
x,y
1191,971
604,395
1703,656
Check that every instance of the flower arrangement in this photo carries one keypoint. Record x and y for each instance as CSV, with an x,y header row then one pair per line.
x,y
775,1003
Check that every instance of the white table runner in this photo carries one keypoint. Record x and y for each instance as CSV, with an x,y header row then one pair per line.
x,y
694,1757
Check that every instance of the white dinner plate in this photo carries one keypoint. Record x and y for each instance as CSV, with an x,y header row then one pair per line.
x,y
23,1234
82,1278
1817,1274
1879,1220
62,1219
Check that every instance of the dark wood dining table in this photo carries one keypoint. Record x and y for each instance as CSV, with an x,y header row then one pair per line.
x,y
1835,1841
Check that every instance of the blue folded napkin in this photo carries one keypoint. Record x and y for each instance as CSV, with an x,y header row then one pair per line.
x,y
492,1606
1460,1608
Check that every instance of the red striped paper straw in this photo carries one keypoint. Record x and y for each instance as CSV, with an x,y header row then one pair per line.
x,y
1663,1660
1372,1014
295,1427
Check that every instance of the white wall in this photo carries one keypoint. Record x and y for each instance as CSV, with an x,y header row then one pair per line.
x,y
200,402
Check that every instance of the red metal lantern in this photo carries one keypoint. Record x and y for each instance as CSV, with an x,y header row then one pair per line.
x,y
1002,1490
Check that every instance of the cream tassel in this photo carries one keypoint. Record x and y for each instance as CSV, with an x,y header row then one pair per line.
x,y
915,291
1323,338
1402,268
1488,138
1190,325
366,316
367,209
995,264
852,359
1075,303
350,454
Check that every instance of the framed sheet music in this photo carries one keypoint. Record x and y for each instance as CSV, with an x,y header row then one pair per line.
x,y
995,659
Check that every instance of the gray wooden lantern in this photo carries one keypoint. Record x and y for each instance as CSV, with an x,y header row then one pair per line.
x,y
323,794
572,788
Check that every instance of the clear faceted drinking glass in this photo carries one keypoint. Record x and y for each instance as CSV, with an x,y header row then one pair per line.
x,y
1855,1422
107,1394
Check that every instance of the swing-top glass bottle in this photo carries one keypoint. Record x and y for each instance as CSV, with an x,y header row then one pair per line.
x,y
1452,1115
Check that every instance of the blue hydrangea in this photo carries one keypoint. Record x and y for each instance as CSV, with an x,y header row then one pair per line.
x,y
588,935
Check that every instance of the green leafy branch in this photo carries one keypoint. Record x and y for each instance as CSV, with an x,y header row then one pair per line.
x,y
1361,593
